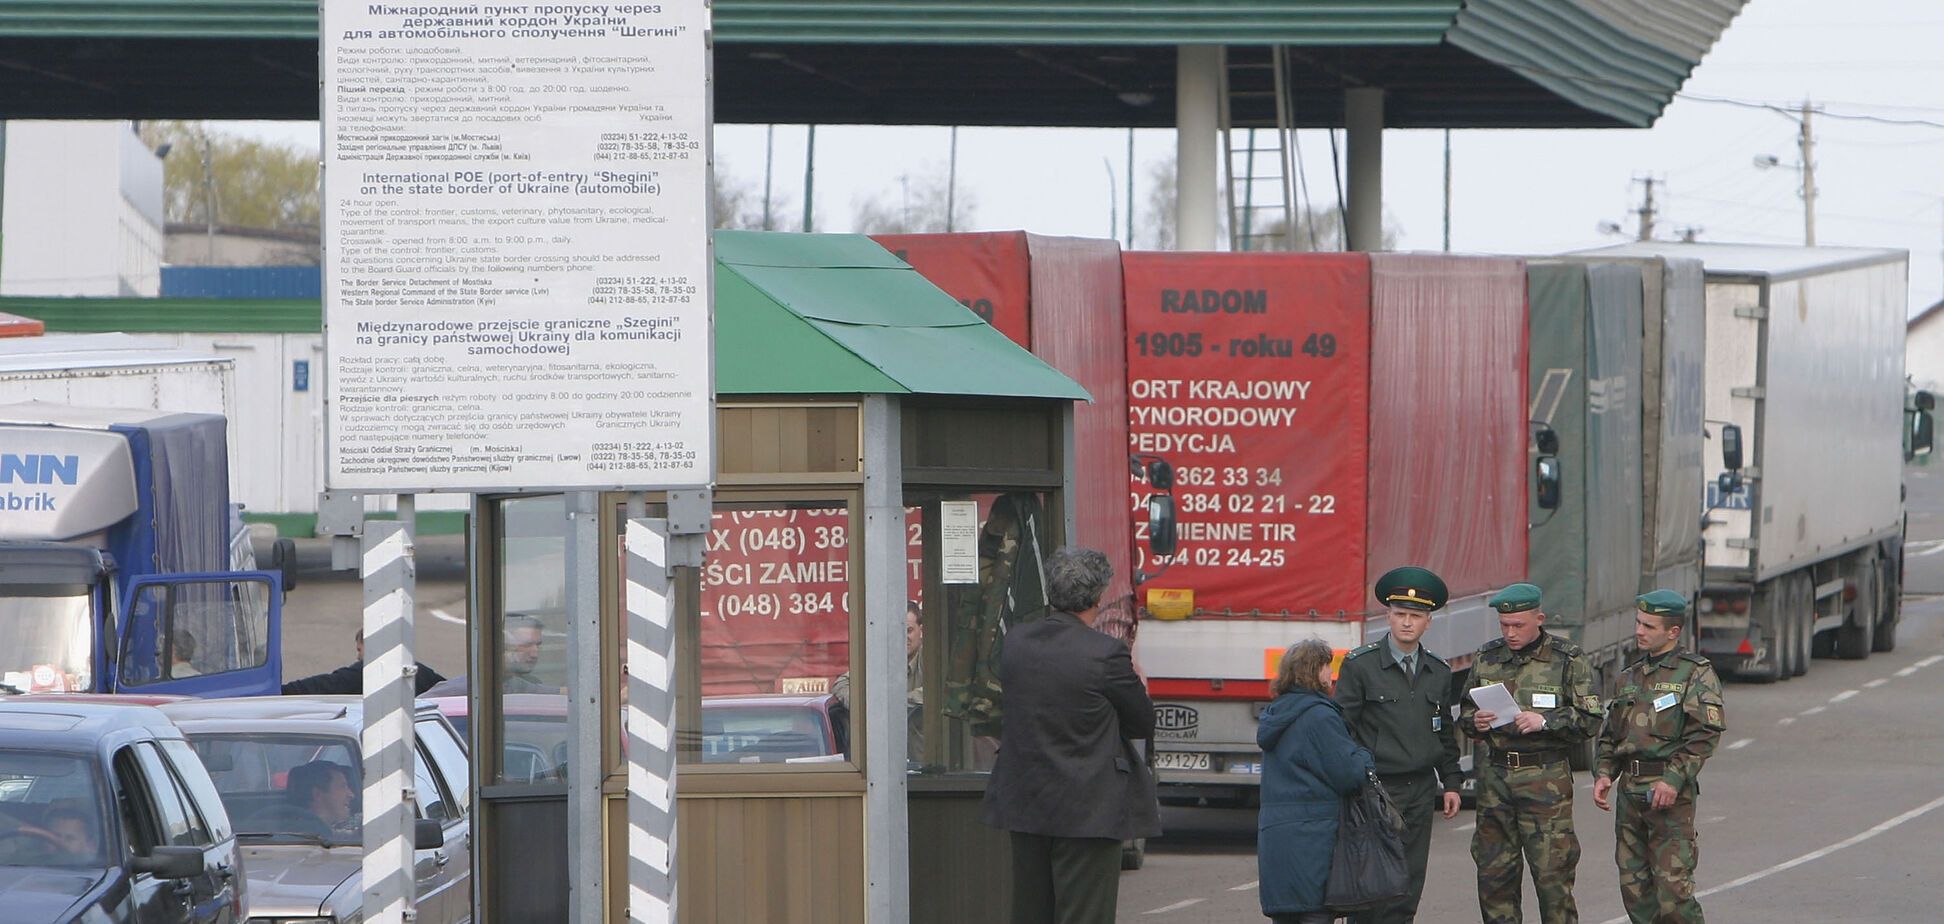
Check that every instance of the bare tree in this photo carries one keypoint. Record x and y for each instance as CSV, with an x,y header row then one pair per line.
x,y
918,205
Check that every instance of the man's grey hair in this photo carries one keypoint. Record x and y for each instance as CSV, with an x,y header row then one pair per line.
x,y
519,622
1075,578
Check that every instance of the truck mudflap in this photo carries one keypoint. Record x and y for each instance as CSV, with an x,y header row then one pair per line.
x,y
208,634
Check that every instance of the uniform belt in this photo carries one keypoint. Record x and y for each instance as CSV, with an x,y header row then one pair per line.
x,y
1405,776
1514,760
1640,768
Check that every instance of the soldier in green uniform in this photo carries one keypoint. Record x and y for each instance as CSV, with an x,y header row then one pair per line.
x,y
1525,785
1396,698
1662,725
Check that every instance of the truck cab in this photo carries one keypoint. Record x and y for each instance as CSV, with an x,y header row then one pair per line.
x,y
123,566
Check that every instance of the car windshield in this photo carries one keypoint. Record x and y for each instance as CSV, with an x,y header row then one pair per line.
x,y
49,643
276,787
50,811
761,734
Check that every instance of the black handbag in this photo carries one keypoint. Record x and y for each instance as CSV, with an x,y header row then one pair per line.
x,y
1367,869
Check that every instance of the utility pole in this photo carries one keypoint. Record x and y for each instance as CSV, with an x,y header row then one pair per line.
x,y
1447,191
809,176
1646,210
951,186
1808,177
769,166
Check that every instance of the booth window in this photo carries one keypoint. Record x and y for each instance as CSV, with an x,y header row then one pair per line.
x,y
981,556
530,640
777,601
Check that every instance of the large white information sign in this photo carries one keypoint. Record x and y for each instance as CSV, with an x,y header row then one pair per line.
x,y
516,275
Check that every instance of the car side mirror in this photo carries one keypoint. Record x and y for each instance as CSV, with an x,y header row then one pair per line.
x,y
1924,434
1925,400
171,863
283,559
1731,447
1546,471
427,834
1161,524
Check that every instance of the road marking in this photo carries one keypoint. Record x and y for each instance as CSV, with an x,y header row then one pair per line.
x,y
1933,659
1813,710
1788,720
1468,826
448,617
1745,742
1846,694
1880,681
1813,855
1244,887
1177,906
1714,819
1907,671
1930,549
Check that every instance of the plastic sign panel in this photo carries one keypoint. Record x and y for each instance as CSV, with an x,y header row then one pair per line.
x,y
1250,373
516,259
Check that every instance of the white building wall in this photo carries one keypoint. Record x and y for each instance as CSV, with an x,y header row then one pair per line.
x,y
1924,353
83,211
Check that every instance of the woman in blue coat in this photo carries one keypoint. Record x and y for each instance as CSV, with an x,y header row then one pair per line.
x,y
1309,763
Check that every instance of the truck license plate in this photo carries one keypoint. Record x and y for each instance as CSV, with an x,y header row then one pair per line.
x,y
1181,760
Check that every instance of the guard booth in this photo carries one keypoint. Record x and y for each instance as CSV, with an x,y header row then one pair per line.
x,y
891,471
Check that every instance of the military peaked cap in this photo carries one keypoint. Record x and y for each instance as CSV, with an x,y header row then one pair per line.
x,y
1517,598
1662,603
1412,588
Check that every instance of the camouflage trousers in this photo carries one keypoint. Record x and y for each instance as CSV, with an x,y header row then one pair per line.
x,y
1525,816
1656,851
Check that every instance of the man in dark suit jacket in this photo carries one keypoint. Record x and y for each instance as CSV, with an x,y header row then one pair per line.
x,y
350,678
1069,784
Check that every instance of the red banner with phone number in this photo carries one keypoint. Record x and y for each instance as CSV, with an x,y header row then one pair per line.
x,y
1249,373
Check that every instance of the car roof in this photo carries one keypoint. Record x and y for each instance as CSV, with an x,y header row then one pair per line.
x,y
512,704
766,699
54,725
284,713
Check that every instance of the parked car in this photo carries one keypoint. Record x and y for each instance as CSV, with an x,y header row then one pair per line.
x,y
534,746
770,728
107,815
276,762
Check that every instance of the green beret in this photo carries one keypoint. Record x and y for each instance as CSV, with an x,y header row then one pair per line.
x,y
1517,598
1662,603
1412,588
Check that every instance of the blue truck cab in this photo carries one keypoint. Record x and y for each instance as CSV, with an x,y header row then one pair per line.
x,y
123,566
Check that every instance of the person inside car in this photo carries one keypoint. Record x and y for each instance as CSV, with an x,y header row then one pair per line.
x,y
74,833
323,789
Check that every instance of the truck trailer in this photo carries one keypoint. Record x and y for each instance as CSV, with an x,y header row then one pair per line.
x,y
1329,417
1803,523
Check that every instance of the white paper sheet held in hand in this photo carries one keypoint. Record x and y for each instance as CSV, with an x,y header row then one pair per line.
x,y
1496,699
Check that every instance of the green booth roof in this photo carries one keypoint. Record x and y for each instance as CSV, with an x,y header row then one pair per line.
x,y
795,314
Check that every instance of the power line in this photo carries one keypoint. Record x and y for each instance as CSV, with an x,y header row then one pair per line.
x,y
1787,109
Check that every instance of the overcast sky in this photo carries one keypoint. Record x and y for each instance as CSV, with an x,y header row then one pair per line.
x,y
1522,192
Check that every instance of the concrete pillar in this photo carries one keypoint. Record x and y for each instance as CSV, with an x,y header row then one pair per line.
x,y
1198,76
1363,122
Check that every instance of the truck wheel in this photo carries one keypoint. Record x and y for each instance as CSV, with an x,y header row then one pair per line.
x,y
1857,636
1889,607
1788,626
1804,617
1133,853
1766,614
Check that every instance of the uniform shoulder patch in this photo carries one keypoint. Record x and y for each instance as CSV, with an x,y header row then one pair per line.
x,y
1696,657
1355,652
1562,645
1432,657
1493,644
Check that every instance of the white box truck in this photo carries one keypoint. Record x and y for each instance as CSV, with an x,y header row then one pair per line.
x,y
1803,524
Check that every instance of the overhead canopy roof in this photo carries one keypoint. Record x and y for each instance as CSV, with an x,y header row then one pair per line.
x,y
1450,63
795,314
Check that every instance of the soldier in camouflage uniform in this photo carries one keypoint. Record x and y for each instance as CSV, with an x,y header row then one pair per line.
x,y
1525,785
1663,724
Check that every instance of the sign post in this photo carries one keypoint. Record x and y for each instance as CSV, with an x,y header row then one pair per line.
x,y
517,288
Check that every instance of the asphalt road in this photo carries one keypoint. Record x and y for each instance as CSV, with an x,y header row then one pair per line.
x,y
1824,803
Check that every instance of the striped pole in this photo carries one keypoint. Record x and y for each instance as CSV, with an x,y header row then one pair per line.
x,y
389,578
651,724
